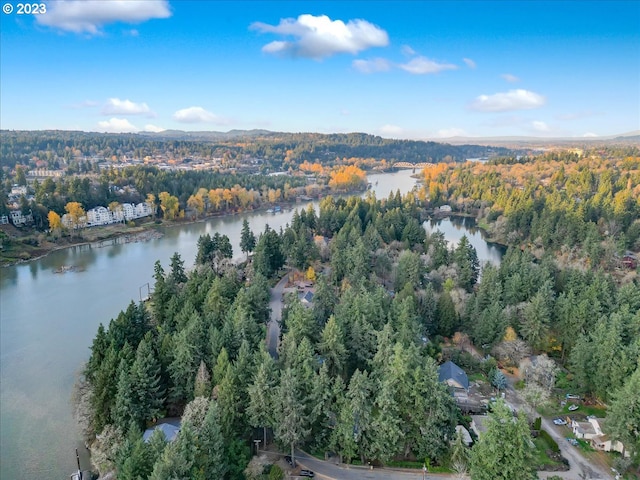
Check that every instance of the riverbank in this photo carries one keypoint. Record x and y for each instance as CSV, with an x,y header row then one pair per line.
x,y
21,245
29,246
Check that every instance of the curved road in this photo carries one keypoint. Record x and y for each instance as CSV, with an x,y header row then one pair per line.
x,y
579,467
330,471
273,327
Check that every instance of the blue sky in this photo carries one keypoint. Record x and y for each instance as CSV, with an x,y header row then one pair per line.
x,y
397,69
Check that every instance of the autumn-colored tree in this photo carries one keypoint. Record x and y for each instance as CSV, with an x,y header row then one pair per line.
x,y
169,205
151,201
55,223
115,208
77,215
311,274
347,178
196,203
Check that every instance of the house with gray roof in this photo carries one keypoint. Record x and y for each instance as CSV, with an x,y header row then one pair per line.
x,y
453,376
169,428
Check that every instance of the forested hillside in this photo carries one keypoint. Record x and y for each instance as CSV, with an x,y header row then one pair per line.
x,y
357,370
59,149
587,206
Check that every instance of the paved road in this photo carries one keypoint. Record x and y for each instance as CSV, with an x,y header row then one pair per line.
x,y
273,327
579,467
330,471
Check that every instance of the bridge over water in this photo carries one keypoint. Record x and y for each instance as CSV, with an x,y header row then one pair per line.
x,y
412,165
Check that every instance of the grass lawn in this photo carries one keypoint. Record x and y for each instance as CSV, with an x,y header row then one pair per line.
x,y
540,454
554,410
474,377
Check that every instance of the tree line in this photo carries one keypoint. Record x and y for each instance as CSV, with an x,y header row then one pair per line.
x,y
70,149
586,204
356,372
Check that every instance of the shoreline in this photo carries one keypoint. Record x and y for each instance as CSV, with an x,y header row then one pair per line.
x,y
152,225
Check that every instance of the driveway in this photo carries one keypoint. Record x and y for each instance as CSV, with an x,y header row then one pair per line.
x,y
273,327
579,467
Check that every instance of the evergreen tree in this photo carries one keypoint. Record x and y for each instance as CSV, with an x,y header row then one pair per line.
x,y
466,257
504,451
177,274
125,401
292,421
623,416
268,257
260,408
146,383
178,461
332,347
202,384
352,435
211,457
446,315
535,324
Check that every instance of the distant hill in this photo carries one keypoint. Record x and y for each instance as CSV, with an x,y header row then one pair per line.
x,y
627,138
206,136
277,149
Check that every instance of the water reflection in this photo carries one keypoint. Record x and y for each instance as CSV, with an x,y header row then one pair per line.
x,y
455,227
48,321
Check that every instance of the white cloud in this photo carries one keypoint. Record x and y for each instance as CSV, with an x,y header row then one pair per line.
x,y
117,125
345,112
153,128
450,132
590,135
318,37
408,51
197,115
510,78
371,66
470,63
83,16
115,106
540,126
422,66
390,130
507,101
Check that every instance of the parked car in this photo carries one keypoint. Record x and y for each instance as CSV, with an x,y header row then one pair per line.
x,y
307,473
573,408
570,396
573,441
559,421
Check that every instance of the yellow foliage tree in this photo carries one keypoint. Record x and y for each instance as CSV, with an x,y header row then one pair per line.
x,y
151,201
311,274
510,335
347,177
55,222
170,205
195,202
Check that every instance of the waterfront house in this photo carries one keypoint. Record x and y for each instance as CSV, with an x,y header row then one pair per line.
x,y
99,216
169,428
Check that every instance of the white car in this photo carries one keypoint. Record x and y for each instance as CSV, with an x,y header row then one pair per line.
x,y
573,408
559,421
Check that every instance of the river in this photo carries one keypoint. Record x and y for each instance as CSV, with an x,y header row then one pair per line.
x,y
48,320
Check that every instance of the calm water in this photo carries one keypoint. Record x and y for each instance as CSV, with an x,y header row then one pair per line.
x,y
455,227
48,320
